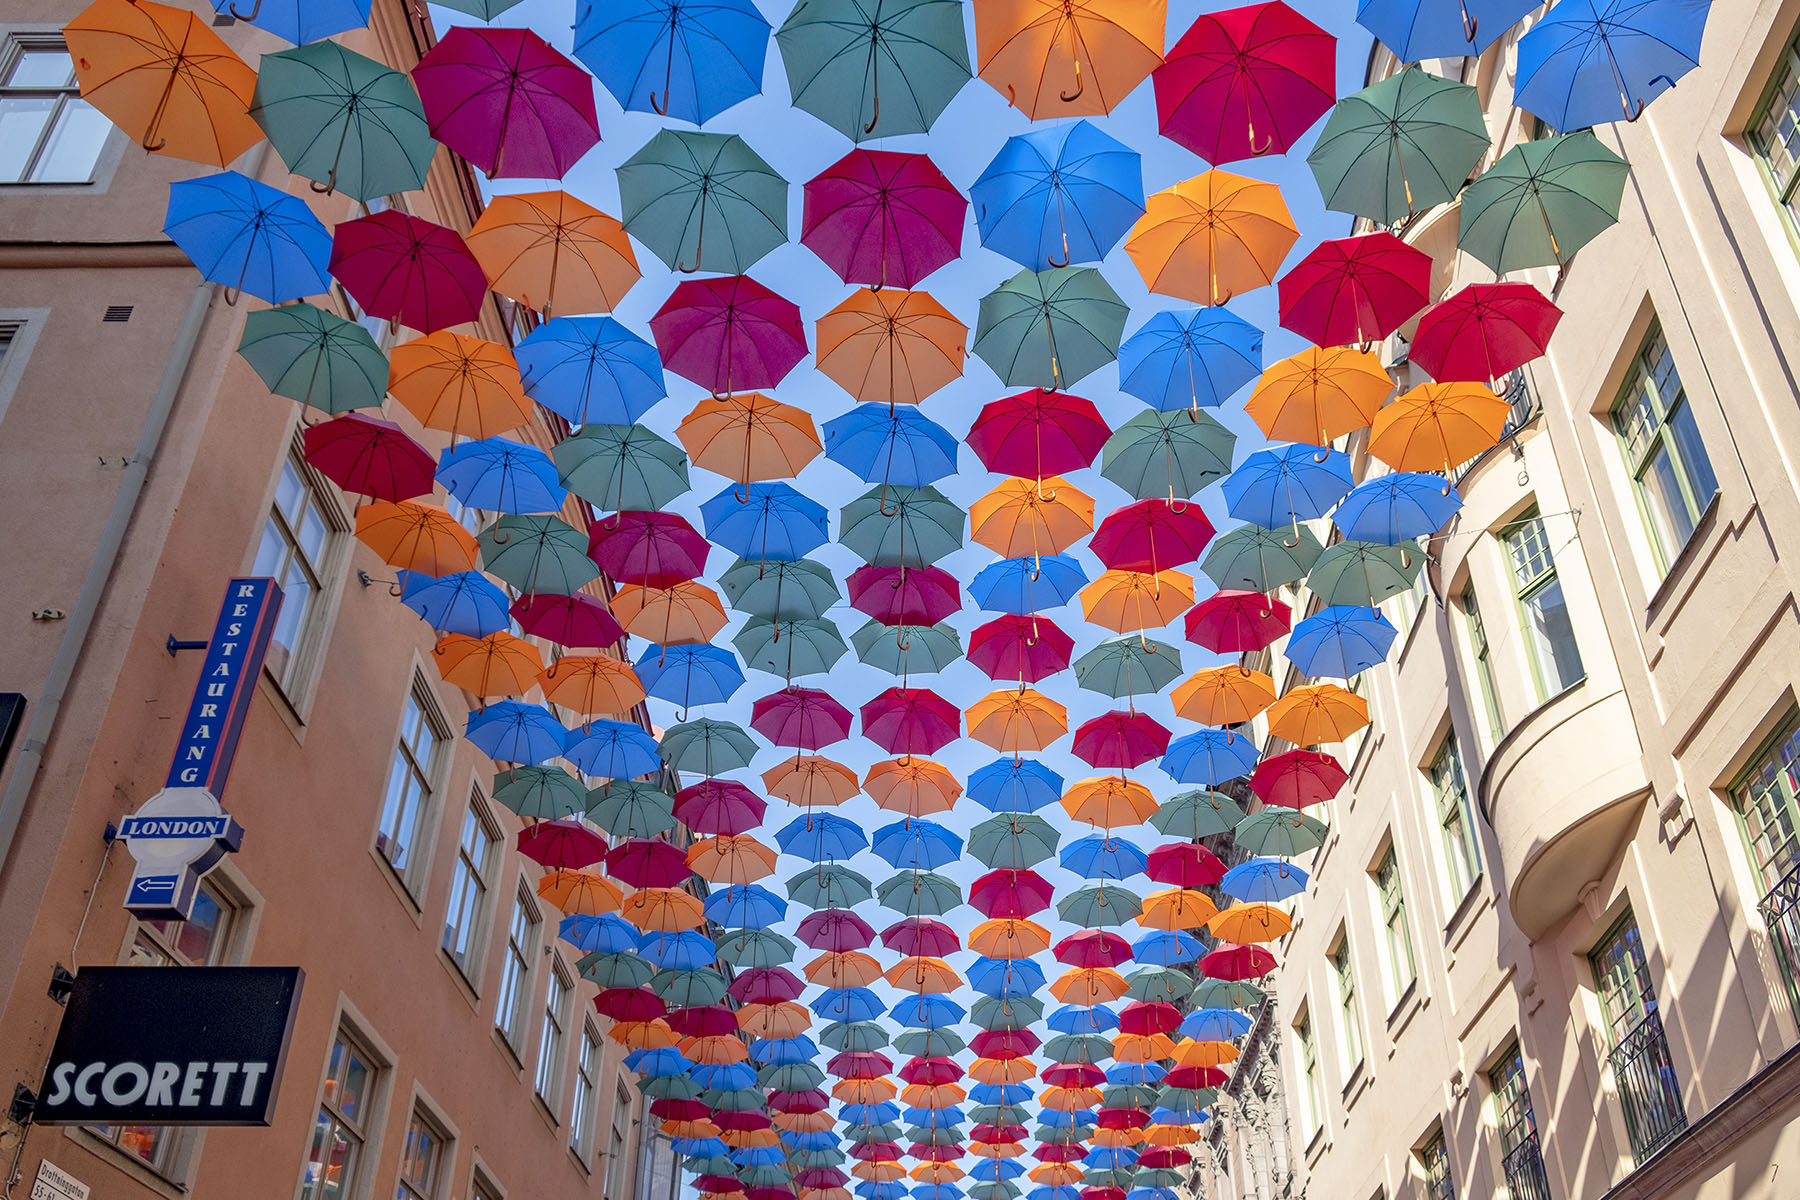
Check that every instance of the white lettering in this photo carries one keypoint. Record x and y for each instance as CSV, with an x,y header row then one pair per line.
x,y
228,648
253,1073
189,775
222,1073
109,1087
196,753
215,690
240,610
59,1080
246,589
235,629
222,670
84,1082
162,1084
191,1085
210,711
201,733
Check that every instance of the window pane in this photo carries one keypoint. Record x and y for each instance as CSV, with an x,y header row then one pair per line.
x,y
74,145
1766,801
290,491
1553,637
329,1162
42,67
349,1078
22,121
1701,480
1623,978
1778,132
1661,488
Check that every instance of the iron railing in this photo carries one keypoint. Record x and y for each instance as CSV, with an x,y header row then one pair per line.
x,y
1781,914
1654,1113
1522,407
1524,1166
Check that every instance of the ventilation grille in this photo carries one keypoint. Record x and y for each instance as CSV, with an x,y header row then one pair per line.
x,y
117,313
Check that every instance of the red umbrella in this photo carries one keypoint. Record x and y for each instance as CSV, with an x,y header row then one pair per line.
x,y
1093,948
709,1020
1104,1193
1142,1017
904,595
921,937
836,930
1297,779
1004,1043
1060,1153
750,1120
876,1151
1120,739
926,1153
805,718
1158,1157
409,271
765,985
1152,535
930,1070
671,1109
1025,648
1185,865
1245,82
1355,289
1237,962
1038,433
728,334
561,845
630,1004
809,1101
573,622
647,863
508,102
860,1064
882,218
1483,332
820,1177
1010,893
1237,622
1074,1075
911,721
655,549
721,806
1195,1077
997,1135
369,455
1116,1118
718,1185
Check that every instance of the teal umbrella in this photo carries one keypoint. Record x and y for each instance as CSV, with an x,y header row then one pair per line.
x,y
1107,1178
939,1135
895,526
1006,1012
1225,993
705,746
1078,1048
621,467
1013,841
315,357
1152,984
907,649
930,1043
858,1037
615,970
1128,666
1399,146
1279,831
829,885
631,808
1099,906
1196,814
671,1087
690,989
1156,1177
537,554
1363,573
999,1114
755,948
865,1134
790,1077
920,894
487,10
1253,559
790,648
540,793
1050,328
874,68
1542,201
1188,1099
703,201
780,591
342,120
1170,455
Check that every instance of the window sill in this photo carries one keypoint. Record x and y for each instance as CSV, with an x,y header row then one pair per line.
x,y
1358,1081
464,984
130,1164
1457,928
397,881
507,1051
544,1110
1315,1147
1411,1001
580,1161
1677,568
284,707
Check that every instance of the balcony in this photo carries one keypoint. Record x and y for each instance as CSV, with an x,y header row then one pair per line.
x,y
1524,1167
1654,1112
1780,911
1522,409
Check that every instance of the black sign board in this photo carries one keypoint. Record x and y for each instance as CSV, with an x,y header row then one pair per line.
x,y
171,1046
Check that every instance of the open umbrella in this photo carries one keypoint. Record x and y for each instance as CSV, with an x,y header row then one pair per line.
x,y
911,51
1237,622
727,334
1355,289
249,237
1030,520
1400,145
1050,328
1298,779
749,437
1594,61
768,522
589,369
881,218
1212,237
1196,814
1037,433
300,21
1245,82
507,101
1194,359
1223,696
1396,508
1277,831
901,527
680,182
1484,332
1014,785
1318,395
1019,648
316,357
1152,535
895,346
612,749
549,250
1340,641
1435,426
416,537
1251,558
1419,29
1119,739
690,675
594,684
1130,601
898,596
408,271
463,385
687,61
518,733
803,717
492,666
1058,195
466,602
370,456
501,475
570,621
910,721
1049,57
537,554
880,443
1012,840
1308,716
342,120
912,785
1122,667
684,613
1027,585
707,747
1365,573
1017,720
1285,485
1168,455
785,591
615,467
655,549
1209,757
1542,201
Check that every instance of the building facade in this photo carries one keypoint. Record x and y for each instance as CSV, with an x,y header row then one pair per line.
x,y
446,1047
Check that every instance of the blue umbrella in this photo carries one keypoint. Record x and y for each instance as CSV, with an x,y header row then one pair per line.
x,y
745,906
1264,880
467,602
250,237
663,1061
927,1012
918,845
613,750
1078,1018
881,1189
1065,1191
1340,641
935,1191
299,21
759,1156
868,1114
1285,485
608,934
1058,195
1006,976
501,475
1066,1120
1391,509
1215,1025
1193,359
885,443
812,1139
1103,856
674,58
1419,29
995,1169
847,1004
1587,62
1110,1158
1027,585
944,1117
1209,757
724,1076
1015,785
590,369
784,1050
1136,1075
766,522
697,1148
1154,1193
819,837
686,950
512,731
689,675
1165,948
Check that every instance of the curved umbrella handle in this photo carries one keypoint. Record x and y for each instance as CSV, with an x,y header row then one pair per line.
x,y
330,184
249,16
153,149
1258,151
870,128
1080,85
1051,259
1469,24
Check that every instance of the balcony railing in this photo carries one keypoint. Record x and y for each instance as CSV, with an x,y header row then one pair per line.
x,y
1654,1113
1524,1166
1522,406
1781,913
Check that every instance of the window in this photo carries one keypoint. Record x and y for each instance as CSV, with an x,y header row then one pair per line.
x,y
550,1043
1774,132
482,1188
1404,609
469,888
1434,1156
1456,821
421,1159
1642,1068
334,1161
1360,685
1312,1094
297,539
1402,970
522,937
1484,664
48,133
587,1095
615,1142
1349,1022
1768,816
1555,660
9,333
1521,1160
411,777
1669,468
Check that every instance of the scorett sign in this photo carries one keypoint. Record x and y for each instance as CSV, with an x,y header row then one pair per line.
x,y
171,1046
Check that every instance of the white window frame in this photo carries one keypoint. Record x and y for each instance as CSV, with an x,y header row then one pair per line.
x,y
423,1122
1462,854
524,935
1351,1040
1390,899
1312,1086
470,906
618,1147
428,776
364,1127
324,573
584,1107
14,43
553,1032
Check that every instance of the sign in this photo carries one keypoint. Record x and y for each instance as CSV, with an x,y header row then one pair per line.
x,y
182,831
54,1183
171,1046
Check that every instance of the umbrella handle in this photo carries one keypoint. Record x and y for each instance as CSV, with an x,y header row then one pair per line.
x,y
1258,151
1470,24
870,128
1080,84
249,16
330,184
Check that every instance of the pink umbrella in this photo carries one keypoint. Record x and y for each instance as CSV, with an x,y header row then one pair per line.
x,y
1237,962
508,102
369,455
719,806
1152,535
413,272
1355,289
1145,1017
1120,739
805,718
1038,433
904,595
728,334
647,863
765,985
906,720
922,937
630,1004
1022,648
655,549
882,218
561,845
573,622
1237,622
1185,865
1092,948
810,1101
931,1070
836,930
1010,893
860,1064
1297,779
703,1020
1483,332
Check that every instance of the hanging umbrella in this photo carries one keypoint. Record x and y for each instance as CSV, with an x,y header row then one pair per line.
x,y
1015,785
548,250
1176,909
1355,289
1014,721
1285,485
1119,739
802,717
507,101
785,591
879,443
1193,360
1277,831
492,666
590,369
249,237
408,271
518,733
687,61
1416,29
580,892
769,522
466,602
1127,666
921,527
654,549
1097,907
663,909
1363,573
537,554
689,675
1245,82
1196,814
1027,585
1339,642
1542,201
809,781
1223,696
1049,58
1298,779
1109,802
165,78
1030,519
1012,840
682,614
1212,237
890,345
897,596
719,806
570,621
416,537
503,476
1009,938
1058,195
613,749
1396,508
1130,601
912,785
370,456
1318,395
1399,146
905,720
616,467
487,10
1183,864
1307,716
316,357
300,21
1438,425
882,218
1251,558
1050,328
462,385
679,181
1037,433
915,845
1594,61
728,333
731,859
1020,648
1484,332
344,121
1237,622
1209,757
592,685
707,747
1152,535
749,437
911,51
921,893
907,649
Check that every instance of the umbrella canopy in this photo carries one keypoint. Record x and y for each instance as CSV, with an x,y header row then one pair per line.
x,y
1037,433
371,456
1307,716
769,522
730,333
575,622
492,666
1212,237
1237,622
910,52
1048,58
1400,145
300,21
1356,289
501,475
898,596
1285,485
1050,328
905,720
1542,201
895,346
590,369
1259,67
1277,831
749,437
1028,520
616,467
901,526
408,271
882,218
1223,695
1017,720
1127,666
546,248
507,101
1019,648
809,781
1252,558
1353,572
1129,601
1435,426
466,602
537,554
1194,359
680,183
883,444
1417,29
416,537
803,717
1197,814
1152,535
316,357
1298,779
1340,641
249,237
682,614
463,385
1168,455
686,61
1484,332
342,120
1595,61
1027,585
1058,195
1319,394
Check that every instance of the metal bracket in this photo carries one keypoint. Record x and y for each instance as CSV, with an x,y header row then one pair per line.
x,y
175,645
62,982
24,1105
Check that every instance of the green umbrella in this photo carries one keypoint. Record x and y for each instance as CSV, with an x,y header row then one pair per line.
x,y
862,1135
1050,328
1171,455
755,948
829,885
487,10
907,649
1226,993
744,1099
1253,559
1363,573
669,1087
1399,146
631,808
829,1157
1078,1048
540,793
1280,831
1196,814
615,970
705,746
621,467
930,1043
1098,906
895,526
787,591
920,894
537,553
935,1135
1183,1099
690,989
717,1164
1109,1178
999,1189
1151,984
1542,202
343,121
1007,1012
999,1114
790,648
790,1077
1068,1135
859,1037
902,61
703,201
1128,666
1013,841
315,357
1156,1176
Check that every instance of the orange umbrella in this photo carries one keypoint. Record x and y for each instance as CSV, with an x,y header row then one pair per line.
x,y
1319,394
878,1172
937,1172
809,781
1069,1099
749,437
1002,1070
1189,1053
916,787
921,974
1171,1135
1142,1047
933,1095
831,1193
794,1123
1088,986
638,1035
996,1149
889,345
731,859
865,1091
546,249
499,664
844,968
1247,924
1027,518
580,892
416,537
1055,1174
164,77
781,1020
662,910
1212,237
460,384
1323,712
699,1127
1014,720
1109,801
715,1049
1117,1137
1435,426
1223,695
1177,908
754,1139
592,685
687,614
1131,601
1009,937
1055,58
